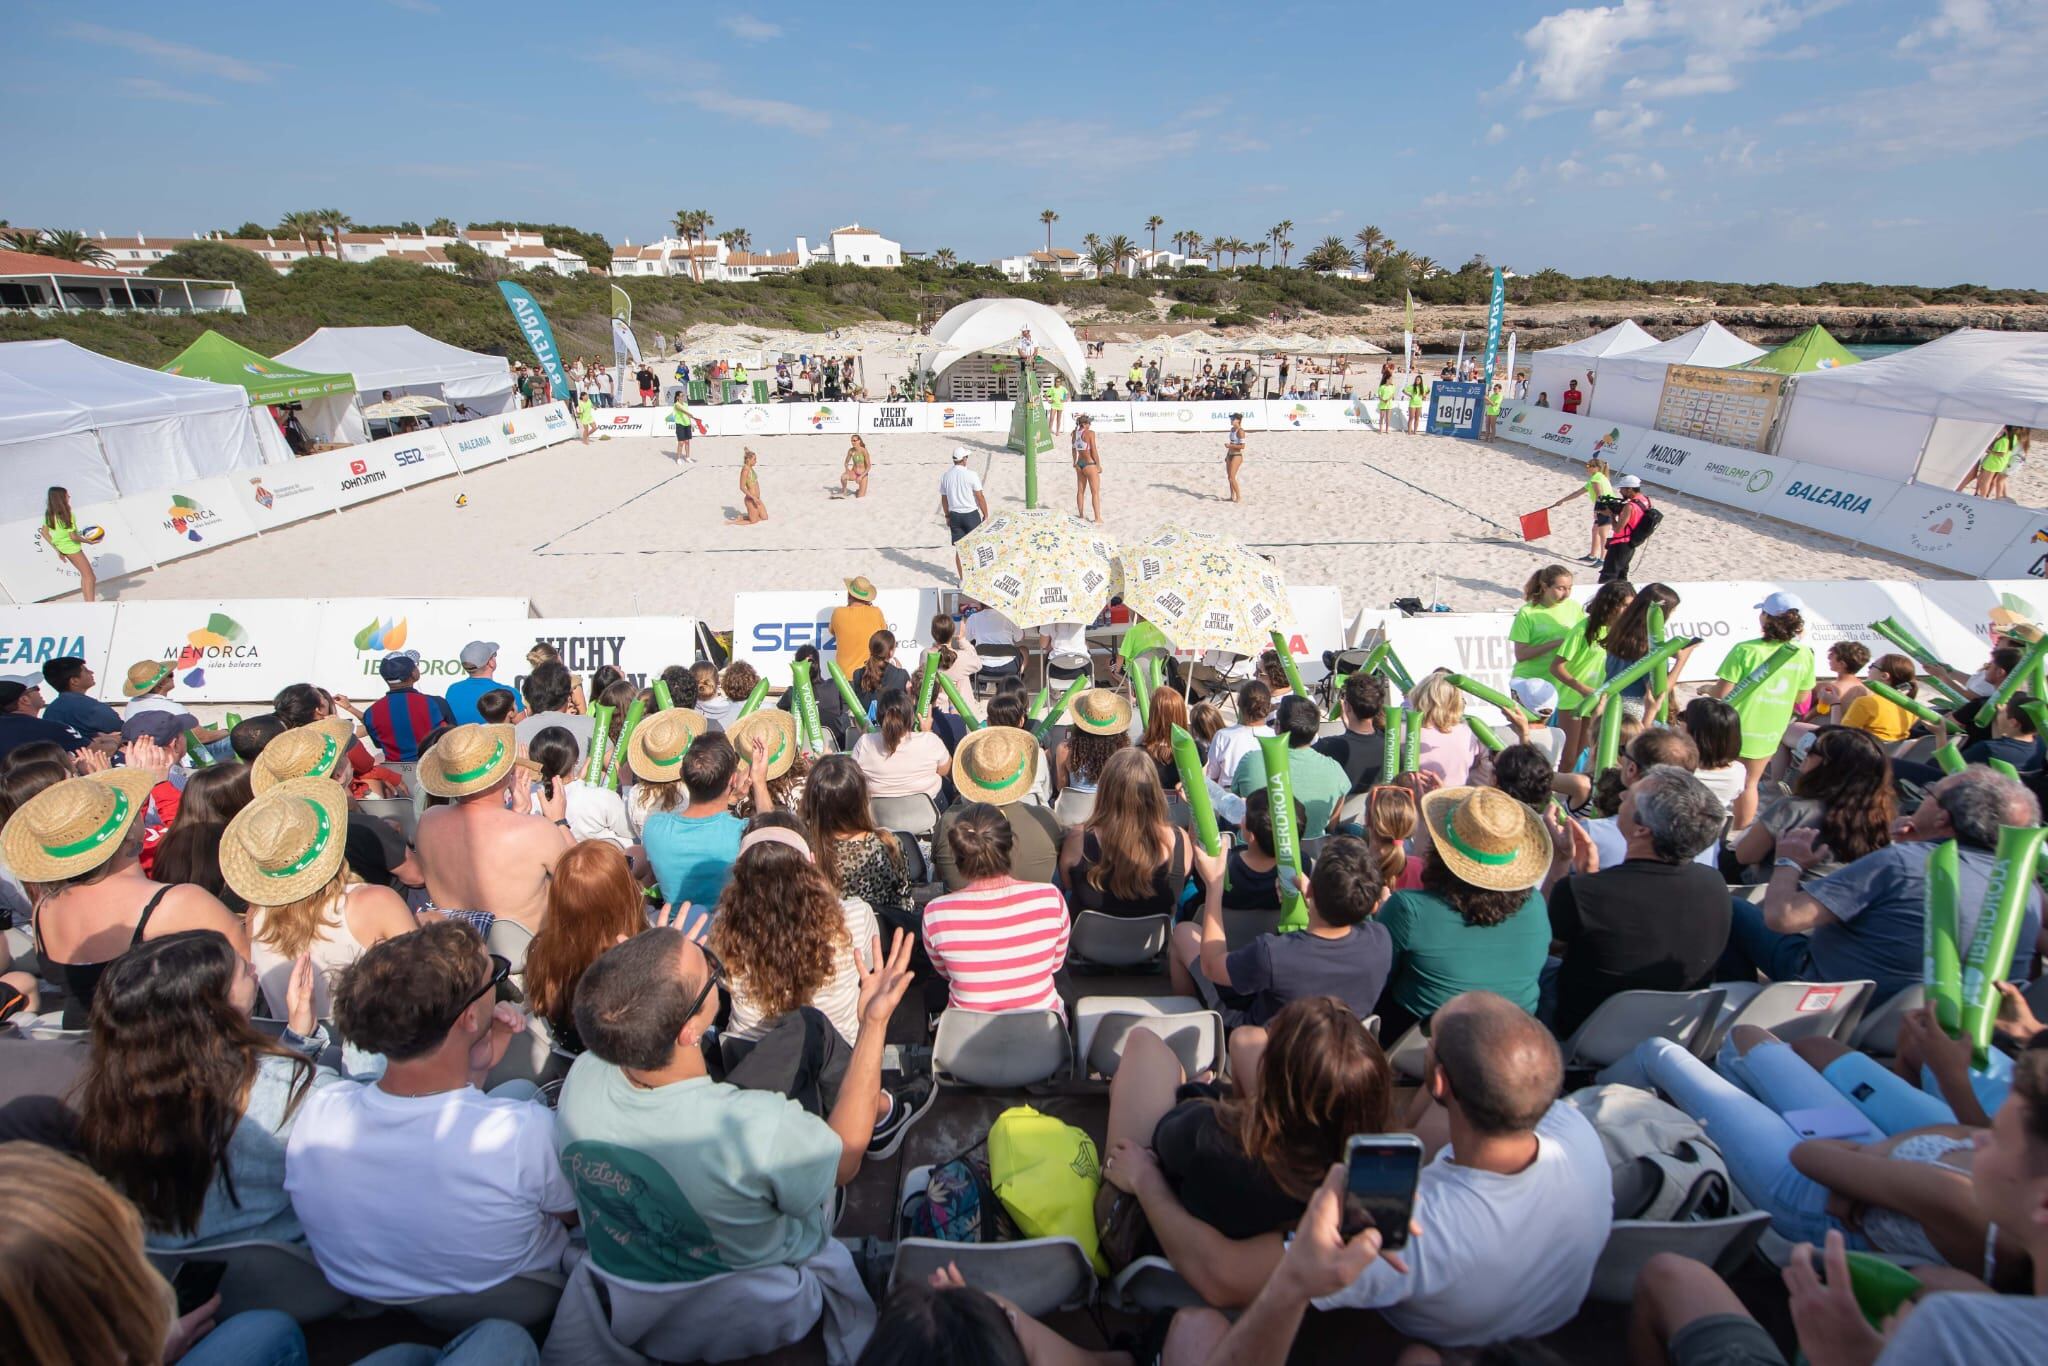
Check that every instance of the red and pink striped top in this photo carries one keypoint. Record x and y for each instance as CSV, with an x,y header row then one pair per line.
x,y
998,942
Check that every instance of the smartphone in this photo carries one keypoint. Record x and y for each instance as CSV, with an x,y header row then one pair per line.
x,y
1829,1121
196,1281
1379,1186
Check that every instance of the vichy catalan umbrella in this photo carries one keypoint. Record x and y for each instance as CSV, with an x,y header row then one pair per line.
x,y
1037,566
1205,592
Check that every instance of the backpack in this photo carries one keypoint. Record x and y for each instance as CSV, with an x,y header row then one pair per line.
x,y
1664,1166
1046,1174
958,1205
1652,518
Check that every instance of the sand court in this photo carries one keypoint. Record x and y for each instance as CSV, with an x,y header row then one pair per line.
x,y
617,527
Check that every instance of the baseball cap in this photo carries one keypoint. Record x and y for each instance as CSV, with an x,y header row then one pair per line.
x,y
1535,694
1628,481
11,692
1777,604
961,453
398,667
27,681
478,653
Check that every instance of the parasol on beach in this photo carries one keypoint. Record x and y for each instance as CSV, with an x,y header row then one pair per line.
x,y
1037,566
1205,592
405,405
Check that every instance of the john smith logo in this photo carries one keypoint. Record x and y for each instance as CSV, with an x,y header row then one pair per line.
x,y
1848,500
1564,428
221,639
1944,525
185,517
360,474
381,637
358,467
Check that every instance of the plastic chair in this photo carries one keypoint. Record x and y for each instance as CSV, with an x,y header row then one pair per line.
x,y
1351,811
1242,927
914,865
1719,1243
1103,1023
995,1050
1115,941
916,814
1038,1275
1627,1018
1150,1285
1407,1054
509,940
400,811
264,1275
1073,807
527,1299
1878,1033
1792,1010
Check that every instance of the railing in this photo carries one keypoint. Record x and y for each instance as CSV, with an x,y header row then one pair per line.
x,y
52,311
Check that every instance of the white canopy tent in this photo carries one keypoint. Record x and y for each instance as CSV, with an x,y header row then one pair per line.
x,y
993,326
1551,368
1629,387
1924,414
405,362
103,428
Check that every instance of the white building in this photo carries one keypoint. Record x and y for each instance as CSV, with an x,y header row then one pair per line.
x,y
853,245
524,250
1060,261
716,262
46,284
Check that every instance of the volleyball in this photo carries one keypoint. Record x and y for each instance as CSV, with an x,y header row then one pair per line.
x,y
92,535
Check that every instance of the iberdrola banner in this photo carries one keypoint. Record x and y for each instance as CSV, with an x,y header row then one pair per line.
x,y
533,325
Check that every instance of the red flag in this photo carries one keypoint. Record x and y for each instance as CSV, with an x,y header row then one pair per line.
x,y
1536,525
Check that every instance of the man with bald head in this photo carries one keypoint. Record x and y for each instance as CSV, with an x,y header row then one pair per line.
x,y
1514,1211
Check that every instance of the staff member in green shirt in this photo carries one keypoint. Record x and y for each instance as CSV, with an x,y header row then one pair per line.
x,y
60,529
1386,394
1597,488
1768,709
1492,411
1056,404
1546,617
686,427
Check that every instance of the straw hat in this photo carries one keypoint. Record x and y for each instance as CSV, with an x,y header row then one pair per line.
x,y
287,843
317,750
469,759
860,588
70,829
1098,711
996,764
655,753
144,675
780,738
1488,838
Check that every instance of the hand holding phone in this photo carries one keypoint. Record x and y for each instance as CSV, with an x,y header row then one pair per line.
x,y
195,1282
1380,1176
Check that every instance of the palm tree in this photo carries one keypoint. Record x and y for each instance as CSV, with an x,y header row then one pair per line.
x,y
1102,260
1372,243
1330,254
1286,245
335,222
693,226
1090,241
304,224
1048,217
944,258
22,239
1182,241
441,227
1153,225
1123,252
1278,231
737,239
1424,266
1259,250
67,244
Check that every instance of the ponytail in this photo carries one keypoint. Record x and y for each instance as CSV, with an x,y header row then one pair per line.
x,y
942,641
893,710
881,645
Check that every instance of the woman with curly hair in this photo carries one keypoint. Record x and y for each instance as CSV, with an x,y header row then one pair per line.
x,y
1243,1163
858,858
786,938
1843,789
594,902
1081,757
185,1105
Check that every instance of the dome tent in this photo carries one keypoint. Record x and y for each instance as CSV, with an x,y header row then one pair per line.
x,y
405,361
983,330
1629,387
1813,349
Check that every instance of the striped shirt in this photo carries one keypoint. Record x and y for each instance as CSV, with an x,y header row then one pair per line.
x,y
999,944
398,721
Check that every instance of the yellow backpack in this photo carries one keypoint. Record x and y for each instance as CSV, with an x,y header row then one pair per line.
x,y
1046,1173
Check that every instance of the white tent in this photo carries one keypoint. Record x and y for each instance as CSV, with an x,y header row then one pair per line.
x,y
1924,414
1550,368
993,325
103,428
1629,387
406,362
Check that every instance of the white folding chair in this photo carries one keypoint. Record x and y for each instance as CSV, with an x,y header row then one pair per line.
x,y
1115,941
1182,1023
1717,1243
1038,1275
1351,811
400,811
916,814
998,1049
1627,1018
1073,807
1408,1052
1792,1010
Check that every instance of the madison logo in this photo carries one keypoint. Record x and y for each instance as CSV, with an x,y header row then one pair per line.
x,y
381,637
221,640
185,517
1847,500
1944,525
1669,457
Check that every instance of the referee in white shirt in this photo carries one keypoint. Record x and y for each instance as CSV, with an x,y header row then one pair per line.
x,y
960,496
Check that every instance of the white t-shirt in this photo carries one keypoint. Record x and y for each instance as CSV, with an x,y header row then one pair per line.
x,y
448,1194
1613,848
959,485
1228,749
1724,782
990,627
593,813
912,769
1499,1256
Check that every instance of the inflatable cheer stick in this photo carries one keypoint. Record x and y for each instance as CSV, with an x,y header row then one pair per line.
x,y
1900,700
927,675
196,752
600,737
849,696
1287,664
1286,839
1949,758
636,711
1337,697
1660,677
1898,635
1880,1286
664,700
1141,692
1473,688
810,734
754,699
2036,712
2017,679
1391,662
1607,747
1627,677
1484,732
1038,704
1411,740
1941,964
2000,766
1060,708
1999,921
1201,811
959,702
1394,726
1762,673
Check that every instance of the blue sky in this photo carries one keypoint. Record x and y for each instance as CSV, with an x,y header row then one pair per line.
x,y
1793,140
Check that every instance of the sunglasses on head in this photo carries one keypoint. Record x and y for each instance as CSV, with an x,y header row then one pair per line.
x,y
714,980
501,968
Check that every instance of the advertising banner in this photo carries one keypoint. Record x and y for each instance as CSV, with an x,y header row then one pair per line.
x,y
31,637
485,441
805,418
1107,418
640,646
888,418
356,474
1955,616
540,337
1525,422
278,495
1726,407
1840,502
1724,614
221,651
967,417
1496,305
1721,474
633,422
768,628
739,419
2027,555
1198,415
1954,530
550,425
349,638
1320,415
1456,408
31,571
187,518
1473,643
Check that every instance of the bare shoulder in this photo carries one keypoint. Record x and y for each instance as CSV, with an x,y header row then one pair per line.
x,y
380,911
190,907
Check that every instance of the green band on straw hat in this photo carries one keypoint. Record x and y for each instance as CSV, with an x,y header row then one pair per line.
x,y
467,774
107,831
313,851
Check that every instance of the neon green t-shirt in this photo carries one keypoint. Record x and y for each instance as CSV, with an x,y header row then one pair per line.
x,y
585,410
1415,397
685,423
1387,395
1535,625
1584,660
1768,709
1599,486
1493,405
1058,397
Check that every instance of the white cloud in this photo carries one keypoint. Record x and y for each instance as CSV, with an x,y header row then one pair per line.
x,y
749,29
1082,147
1575,54
1496,134
149,88
1625,124
183,56
750,109
1969,21
1893,224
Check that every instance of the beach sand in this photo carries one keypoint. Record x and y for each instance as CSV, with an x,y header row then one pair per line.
x,y
615,528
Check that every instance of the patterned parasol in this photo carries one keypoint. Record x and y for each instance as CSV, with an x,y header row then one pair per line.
x,y
1037,566
1206,592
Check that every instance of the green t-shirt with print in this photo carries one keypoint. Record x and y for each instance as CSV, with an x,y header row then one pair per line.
x,y
1535,625
1768,709
1584,660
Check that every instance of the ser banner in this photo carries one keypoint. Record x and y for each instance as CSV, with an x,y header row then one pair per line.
x,y
768,628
